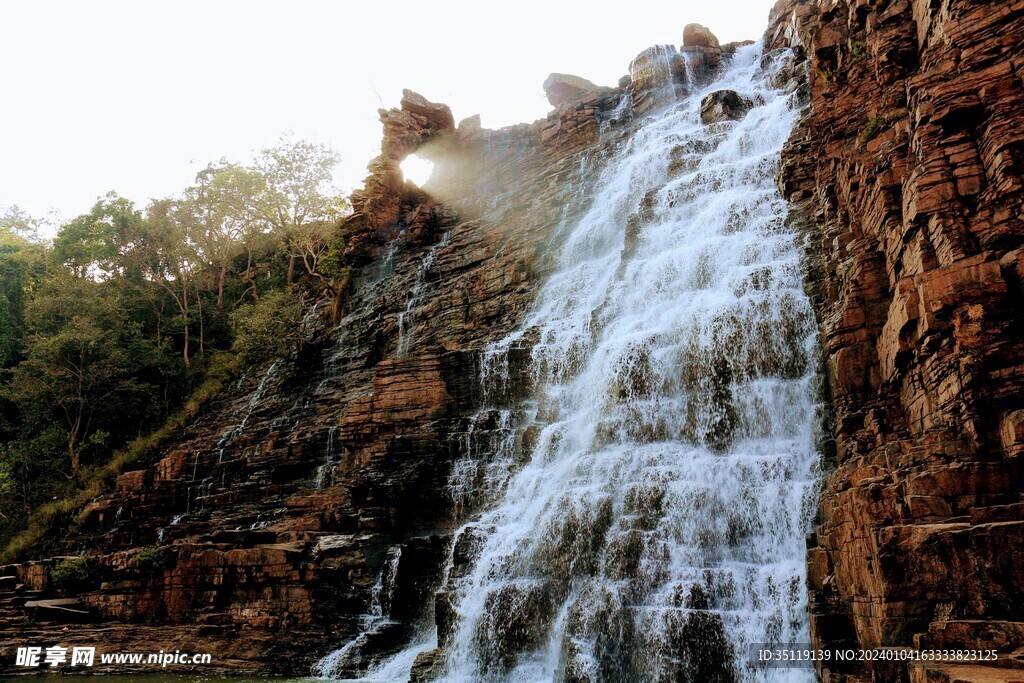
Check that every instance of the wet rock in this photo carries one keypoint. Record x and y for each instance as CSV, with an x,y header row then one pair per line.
x,y
468,545
601,641
698,649
724,105
723,417
730,48
517,617
570,542
657,77
623,554
428,666
445,617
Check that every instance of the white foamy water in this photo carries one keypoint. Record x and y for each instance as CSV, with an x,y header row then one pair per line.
x,y
657,527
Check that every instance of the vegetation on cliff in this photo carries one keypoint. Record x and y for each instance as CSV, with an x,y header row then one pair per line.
x,y
117,329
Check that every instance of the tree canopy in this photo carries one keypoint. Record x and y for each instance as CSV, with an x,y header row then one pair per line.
x,y
105,328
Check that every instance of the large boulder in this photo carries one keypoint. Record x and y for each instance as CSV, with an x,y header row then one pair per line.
x,y
696,35
436,116
703,52
657,77
563,89
724,105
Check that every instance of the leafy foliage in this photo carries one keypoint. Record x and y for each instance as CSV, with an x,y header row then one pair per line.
x,y
876,124
268,328
118,329
72,573
152,558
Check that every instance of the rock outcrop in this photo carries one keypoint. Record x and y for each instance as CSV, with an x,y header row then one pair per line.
x,y
564,89
724,105
258,533
696,35
907,172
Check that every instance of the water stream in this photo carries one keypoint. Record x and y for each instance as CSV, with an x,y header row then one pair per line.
x,y
657,527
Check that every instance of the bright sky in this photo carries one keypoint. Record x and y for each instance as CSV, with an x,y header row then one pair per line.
x,y
137,96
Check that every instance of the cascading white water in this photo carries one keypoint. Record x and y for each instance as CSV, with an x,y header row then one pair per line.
x,y
657,528
373,621
405,318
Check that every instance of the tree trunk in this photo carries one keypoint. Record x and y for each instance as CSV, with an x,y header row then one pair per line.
x,y
184,313
72,451
220,287
199,303
250,278
291,270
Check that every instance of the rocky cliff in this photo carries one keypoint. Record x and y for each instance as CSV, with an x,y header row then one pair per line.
x,y
262,533
907,173
265,532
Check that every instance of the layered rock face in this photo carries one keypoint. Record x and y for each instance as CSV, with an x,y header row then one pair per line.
x,y
907,172
260,534
270,530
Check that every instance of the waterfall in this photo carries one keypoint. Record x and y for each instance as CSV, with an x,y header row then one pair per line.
x,y
414,299
657,527
373,622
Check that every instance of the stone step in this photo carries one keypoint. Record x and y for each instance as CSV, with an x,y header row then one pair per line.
x,y
998,513
58,609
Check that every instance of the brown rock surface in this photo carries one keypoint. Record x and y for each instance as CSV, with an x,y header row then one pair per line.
x,y
257,533
724,105
564,89
907,175
696,35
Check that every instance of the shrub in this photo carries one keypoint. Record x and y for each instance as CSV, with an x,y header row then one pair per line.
x,y
876,124
151,559
858,52
71,572
270,328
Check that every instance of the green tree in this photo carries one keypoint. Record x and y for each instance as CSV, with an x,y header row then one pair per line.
x,y
22,265
288,191
78,370
17,227
268,328
96,243
167,256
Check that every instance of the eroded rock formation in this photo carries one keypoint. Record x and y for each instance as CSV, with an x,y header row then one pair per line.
x,y
259,533
907,171
724,105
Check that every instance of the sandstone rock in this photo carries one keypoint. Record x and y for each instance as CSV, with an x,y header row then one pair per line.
x,y
470,125
696,35
228,539
724,105
657,77
914,278
438,116
565,89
